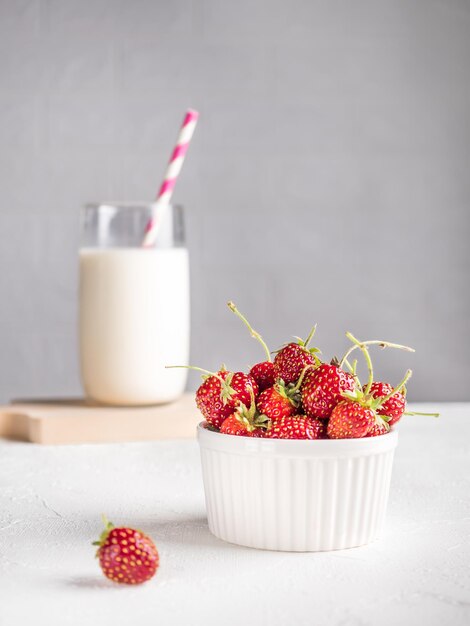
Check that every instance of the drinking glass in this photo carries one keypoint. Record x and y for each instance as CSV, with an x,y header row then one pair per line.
x,y
133,304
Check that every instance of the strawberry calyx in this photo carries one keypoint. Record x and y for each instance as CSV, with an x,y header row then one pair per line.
x,y
290,392
382,420
307,341
305,345
223,376
108,527
366,399
226,390
250,417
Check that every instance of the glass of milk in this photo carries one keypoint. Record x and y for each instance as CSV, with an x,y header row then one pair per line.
x,y
134,305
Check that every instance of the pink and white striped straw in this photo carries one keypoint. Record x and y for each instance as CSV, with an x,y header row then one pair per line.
x,y
171,175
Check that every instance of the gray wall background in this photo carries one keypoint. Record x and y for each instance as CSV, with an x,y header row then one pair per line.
x,y
328,179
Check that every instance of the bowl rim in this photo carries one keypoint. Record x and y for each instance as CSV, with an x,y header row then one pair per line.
x,y
300,447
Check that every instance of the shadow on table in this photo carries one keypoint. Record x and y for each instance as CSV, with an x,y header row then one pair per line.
x,y
91,582
190,531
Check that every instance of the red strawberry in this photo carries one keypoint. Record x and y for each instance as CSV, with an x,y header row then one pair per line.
x,y
394,407
245,421
126,555
380,427
238,387
322,388
292,359
350,420
263,374
296,427
278,401
221,393
233,426
210,403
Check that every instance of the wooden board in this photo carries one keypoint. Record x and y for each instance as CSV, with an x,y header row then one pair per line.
x,y
81,421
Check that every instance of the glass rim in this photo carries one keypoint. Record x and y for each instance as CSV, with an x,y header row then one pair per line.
x,y
128,205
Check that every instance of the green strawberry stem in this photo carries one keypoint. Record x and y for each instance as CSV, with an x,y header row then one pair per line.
x,y
253,333
365,352
107,524
316,359
226,389
108,527
399,387
310,337
197,369
417,413
305,344
352,368
375,342
301,377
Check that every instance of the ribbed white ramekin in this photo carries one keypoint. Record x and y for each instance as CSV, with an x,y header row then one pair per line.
x,y
296,495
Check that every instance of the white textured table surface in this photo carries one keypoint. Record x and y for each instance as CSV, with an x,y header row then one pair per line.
x,y
51,499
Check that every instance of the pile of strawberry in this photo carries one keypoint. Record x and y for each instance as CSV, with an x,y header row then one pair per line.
x,y
297,396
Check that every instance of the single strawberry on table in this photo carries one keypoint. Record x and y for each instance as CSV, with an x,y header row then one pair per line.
x,y
296,427
126,555
290,360
322,389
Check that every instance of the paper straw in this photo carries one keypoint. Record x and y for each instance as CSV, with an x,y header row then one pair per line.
x,y
171,176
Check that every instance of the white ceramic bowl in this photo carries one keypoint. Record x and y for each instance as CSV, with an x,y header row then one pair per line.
x,y
299,496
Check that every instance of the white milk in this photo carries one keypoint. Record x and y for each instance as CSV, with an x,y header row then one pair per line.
x,y
134,320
